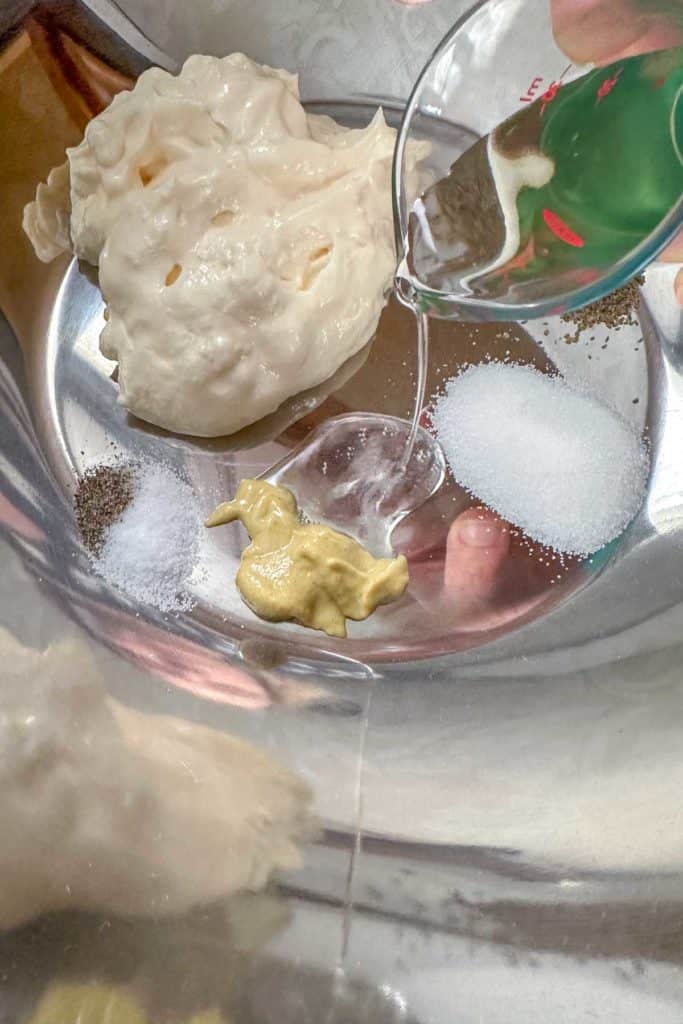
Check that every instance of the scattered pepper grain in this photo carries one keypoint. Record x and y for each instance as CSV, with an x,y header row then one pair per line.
x,y
617,310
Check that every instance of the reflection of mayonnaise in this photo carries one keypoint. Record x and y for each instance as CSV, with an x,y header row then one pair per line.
x,y
244,246
510,175
106,808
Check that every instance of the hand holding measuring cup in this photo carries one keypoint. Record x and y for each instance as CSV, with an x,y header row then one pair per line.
x,y
603,31
560,184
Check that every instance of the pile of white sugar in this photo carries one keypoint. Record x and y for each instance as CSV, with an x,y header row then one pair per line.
x,y
150,552
549,459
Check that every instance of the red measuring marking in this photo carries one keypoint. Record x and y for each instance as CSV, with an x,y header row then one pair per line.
x,y
523,257
532,90
562,230
550,94
607,86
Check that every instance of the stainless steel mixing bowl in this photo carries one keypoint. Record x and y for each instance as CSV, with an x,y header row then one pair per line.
x,y
503,828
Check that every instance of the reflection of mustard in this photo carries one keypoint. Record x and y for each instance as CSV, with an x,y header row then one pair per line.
x,y
305,571
87,1004
99,1004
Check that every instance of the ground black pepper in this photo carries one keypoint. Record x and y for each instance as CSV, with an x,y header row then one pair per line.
x,y
619,309
102,495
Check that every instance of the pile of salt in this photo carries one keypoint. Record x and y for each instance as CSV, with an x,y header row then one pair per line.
x,y
150,552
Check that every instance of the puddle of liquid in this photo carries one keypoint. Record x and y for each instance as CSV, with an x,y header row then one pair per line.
x,y
363,474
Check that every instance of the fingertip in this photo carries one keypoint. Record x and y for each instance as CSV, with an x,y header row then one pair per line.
x,y
603,31
478,543
479,528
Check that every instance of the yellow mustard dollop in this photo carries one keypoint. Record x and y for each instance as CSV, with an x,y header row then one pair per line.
x,y
305,572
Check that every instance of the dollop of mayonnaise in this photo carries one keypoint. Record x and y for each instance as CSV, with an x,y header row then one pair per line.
x,y
107,808
245,247
47,219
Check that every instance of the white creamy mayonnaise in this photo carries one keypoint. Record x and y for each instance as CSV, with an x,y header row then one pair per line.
x,y
245,247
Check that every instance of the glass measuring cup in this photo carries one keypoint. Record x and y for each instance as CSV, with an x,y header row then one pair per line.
x,y
499,59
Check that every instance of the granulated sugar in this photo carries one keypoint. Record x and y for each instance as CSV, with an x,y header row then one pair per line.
x,y
150,552
553,461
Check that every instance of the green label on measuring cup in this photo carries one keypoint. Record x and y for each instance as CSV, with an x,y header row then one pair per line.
x,y
615,137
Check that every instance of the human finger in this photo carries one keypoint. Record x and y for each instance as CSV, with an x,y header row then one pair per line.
x,y
602,31
477,546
